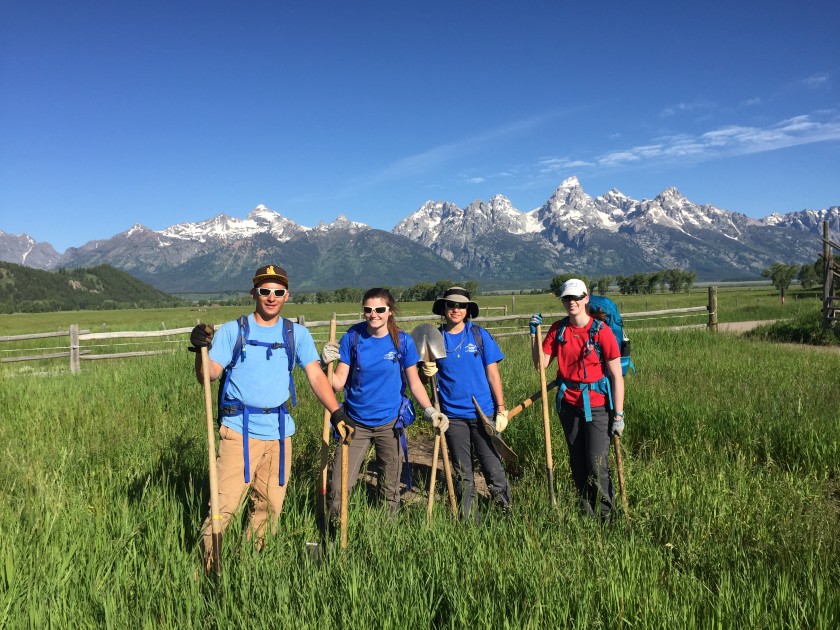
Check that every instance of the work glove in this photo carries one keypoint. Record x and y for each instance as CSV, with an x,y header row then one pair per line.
x,y
501,421
439,421
329,353
536,320
617,426
344,424
429,368
201,337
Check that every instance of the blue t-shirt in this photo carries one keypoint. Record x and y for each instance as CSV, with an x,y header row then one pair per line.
x,y
462,375
261,380
373,391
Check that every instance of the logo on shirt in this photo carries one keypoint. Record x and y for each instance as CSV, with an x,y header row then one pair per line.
x,y
471,348
390,356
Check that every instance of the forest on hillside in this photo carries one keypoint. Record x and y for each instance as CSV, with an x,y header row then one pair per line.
x,y
27,290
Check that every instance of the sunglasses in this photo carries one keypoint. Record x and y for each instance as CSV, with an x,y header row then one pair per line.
x,y
375,309
265,292
453,305
572,298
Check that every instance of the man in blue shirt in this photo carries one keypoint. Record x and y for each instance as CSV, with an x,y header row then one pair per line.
x,y
256,403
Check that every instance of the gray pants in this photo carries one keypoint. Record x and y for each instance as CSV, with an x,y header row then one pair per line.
x,y
589,454
388,452
462,438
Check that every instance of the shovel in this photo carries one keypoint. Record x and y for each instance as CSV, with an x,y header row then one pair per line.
x,y
498,443
325,444
620,469
215,517
530,400
549,461
430,346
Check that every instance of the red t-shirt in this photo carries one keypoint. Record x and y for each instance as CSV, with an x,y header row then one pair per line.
x,y
573,356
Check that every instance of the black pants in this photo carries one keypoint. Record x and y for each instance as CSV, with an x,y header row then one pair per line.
x,y
589,451
463,437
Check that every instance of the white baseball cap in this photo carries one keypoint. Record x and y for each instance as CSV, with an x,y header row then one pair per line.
x,y
573,287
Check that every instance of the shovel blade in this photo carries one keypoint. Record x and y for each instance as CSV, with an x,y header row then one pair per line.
x,y
429,342
504,451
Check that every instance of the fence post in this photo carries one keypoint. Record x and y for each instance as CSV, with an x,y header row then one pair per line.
x,y
512,304
828,279
74,349
713,318
301,320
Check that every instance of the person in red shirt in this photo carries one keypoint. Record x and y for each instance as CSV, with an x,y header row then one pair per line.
x,y
590,400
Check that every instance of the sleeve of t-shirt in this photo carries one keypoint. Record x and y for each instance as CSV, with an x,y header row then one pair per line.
x,y
549,346
412,357
305,352
344,348
221,350
492,352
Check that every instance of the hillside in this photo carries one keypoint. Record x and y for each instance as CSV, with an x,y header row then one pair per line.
x,y
28,290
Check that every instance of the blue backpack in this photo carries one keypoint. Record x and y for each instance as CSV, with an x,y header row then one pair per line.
x,y
406,415
616,325
233,407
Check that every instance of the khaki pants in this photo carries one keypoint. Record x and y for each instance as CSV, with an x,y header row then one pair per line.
x,y
267,495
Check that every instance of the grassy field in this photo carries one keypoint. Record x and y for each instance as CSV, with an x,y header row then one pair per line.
x,y
730,456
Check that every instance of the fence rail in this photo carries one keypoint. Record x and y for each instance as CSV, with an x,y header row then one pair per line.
x,y
495,323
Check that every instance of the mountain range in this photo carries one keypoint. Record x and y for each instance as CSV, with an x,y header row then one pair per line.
x,y
490,242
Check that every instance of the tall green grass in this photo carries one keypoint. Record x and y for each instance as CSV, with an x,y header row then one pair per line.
x,y
730,456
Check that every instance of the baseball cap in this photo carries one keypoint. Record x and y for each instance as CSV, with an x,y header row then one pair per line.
x,y
274,273
573,287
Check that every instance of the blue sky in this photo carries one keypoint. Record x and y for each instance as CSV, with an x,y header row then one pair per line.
x,y
116,113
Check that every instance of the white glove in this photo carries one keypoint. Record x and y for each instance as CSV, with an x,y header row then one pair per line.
x,y
329,353
501,421
429,368
439,421
618,424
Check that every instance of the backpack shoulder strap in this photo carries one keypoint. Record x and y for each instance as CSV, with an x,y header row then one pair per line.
x,y
402,351
289,343
479,338
237,355
560,338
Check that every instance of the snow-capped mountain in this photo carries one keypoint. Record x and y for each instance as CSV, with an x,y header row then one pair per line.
x,y
492,242
223,228
613,234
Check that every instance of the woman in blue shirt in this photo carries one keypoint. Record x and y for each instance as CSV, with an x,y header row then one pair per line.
x,y
470,368
376,360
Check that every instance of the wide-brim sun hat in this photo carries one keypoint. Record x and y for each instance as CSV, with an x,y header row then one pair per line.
x,y
573,287
271,273
455,294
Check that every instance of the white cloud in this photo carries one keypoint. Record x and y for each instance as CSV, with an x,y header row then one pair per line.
x,y
672,110
816,81
474,180
822,126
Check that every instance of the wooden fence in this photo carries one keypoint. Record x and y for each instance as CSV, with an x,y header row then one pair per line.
x,y
499,325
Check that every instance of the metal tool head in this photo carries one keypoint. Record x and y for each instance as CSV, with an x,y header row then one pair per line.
x,y
429,342
499,444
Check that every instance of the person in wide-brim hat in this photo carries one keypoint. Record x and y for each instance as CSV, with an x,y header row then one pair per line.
x,y
466,378
459,295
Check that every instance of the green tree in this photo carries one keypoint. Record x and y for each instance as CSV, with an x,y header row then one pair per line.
x,y
811,276
780,275
603,284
